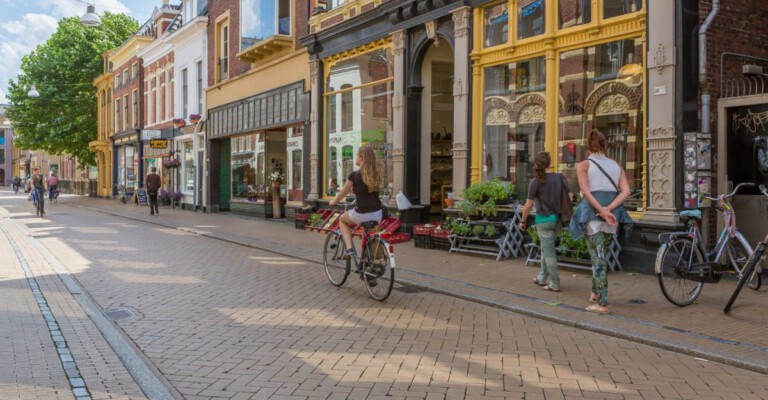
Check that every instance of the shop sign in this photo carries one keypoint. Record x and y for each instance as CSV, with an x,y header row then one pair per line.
x,y
148,134
158,144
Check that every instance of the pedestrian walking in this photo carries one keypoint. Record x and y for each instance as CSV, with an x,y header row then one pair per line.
x,y
545,191
153,185
16,184
604,188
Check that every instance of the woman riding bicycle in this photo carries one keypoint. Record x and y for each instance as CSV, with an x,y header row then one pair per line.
x,y
365,184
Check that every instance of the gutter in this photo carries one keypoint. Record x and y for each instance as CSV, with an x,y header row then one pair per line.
x,y
703,87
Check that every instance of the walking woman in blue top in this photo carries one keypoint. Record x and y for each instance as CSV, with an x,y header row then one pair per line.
x,y
604,187
544,191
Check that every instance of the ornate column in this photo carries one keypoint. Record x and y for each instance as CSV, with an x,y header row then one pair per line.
x,y
314,131
398,116
661,137
461,110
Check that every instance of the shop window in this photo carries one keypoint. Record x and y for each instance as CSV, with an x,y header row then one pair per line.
x,y
261,19
573,12
513,128
331,113
247,168
495,25
346,108
365,115
615,110
615,8
530,18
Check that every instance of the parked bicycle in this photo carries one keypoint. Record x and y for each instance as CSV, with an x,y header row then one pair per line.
x,y
752,266
683,265
375,264
55,196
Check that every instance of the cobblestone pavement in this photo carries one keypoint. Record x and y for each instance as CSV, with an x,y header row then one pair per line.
x,y
222,320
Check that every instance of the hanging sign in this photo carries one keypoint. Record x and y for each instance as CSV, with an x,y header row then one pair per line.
x,y
158,144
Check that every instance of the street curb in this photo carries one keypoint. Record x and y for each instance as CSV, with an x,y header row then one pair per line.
x,y
146,375
539,313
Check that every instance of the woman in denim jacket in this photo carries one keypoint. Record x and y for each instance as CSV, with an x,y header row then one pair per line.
x,y
604,188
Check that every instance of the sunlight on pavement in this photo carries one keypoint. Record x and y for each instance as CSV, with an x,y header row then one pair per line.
x,y
157,279
278,260
94,230
111,263
174,231
69,257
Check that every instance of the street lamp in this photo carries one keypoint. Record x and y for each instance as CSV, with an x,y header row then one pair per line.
x,y
90,19
33,92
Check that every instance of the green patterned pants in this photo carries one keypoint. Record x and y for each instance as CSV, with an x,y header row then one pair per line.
x,y
598,252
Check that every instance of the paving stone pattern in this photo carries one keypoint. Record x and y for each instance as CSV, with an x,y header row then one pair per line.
x,y
221,320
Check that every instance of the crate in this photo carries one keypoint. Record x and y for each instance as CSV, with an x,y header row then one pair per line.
x,y
425,229
300,220
439,239
422,241
397,237
440,243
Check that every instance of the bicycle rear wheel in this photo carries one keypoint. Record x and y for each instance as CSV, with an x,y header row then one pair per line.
x,y
739,251
336,267
674,263
378,271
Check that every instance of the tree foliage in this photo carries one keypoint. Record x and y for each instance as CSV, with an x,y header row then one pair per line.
x,y
63,119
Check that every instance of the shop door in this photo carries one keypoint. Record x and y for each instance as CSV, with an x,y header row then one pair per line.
x,y
437,127
746,148
225,176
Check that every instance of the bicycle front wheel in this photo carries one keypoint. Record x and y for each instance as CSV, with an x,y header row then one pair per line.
x,y
336,267
378,269
739,251
675,262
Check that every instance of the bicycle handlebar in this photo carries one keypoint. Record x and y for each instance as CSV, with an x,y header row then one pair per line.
x,y
736,189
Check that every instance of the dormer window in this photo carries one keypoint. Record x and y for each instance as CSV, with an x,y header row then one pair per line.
x,y
261,19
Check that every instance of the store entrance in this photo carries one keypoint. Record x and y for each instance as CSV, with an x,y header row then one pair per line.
x,y
437,127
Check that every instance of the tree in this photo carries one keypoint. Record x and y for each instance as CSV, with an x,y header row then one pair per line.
x,y
63,119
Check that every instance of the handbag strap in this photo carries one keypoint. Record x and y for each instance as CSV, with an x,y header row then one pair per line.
x,y
606,174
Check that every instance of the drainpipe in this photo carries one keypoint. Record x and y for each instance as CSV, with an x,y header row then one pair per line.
x,y
705,105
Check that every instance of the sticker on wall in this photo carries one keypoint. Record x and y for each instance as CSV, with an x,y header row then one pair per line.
x,y
690,152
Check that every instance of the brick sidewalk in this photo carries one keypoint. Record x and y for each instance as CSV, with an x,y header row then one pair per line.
x,y
638,309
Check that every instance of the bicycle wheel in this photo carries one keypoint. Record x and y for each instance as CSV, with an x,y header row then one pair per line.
x,y
749,268
739,250
336,267
674,261
378,271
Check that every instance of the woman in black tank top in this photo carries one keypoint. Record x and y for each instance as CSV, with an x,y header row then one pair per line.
x,y
364,183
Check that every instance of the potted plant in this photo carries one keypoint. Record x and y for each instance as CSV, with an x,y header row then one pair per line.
x,y
179,122
277,179
491,232
460,227
171,162
478,230
194,118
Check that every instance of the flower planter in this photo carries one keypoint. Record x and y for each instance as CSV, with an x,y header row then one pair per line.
x,y
179,125
194,120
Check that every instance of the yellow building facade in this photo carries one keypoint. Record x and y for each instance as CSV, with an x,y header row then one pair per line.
x,y
102,146
545,74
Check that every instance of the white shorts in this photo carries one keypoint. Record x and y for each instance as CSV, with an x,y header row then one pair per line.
x,y
359,218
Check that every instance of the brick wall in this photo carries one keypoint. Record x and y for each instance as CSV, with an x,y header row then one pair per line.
x,y
739,27
236,66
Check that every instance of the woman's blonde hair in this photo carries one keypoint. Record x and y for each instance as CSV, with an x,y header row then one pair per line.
x,y
370,169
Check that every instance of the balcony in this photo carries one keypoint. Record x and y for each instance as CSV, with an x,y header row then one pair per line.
x,y
266,48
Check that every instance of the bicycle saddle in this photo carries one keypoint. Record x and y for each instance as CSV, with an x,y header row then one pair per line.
x,y
695,214
369,224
